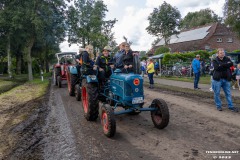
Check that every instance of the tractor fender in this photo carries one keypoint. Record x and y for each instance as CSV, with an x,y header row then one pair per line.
x,y
91,78
73,69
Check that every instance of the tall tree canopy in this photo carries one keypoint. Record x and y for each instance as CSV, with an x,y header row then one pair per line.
x,y
87,25
232,14
164,21
29,23
199,18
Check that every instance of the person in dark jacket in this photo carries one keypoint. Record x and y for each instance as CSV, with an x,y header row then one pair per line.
x,y
104,64
127,59
88,61
221,78
117,59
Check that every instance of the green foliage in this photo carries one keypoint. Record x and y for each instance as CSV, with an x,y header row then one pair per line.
x,y
142,53
232,14
87,25
199,18
164,21
143,58
185,57
236,51
161,50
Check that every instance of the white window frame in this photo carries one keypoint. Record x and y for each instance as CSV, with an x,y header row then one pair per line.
x,y
230,40
219,40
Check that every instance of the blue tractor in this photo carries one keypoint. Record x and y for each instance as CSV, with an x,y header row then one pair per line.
x,y
121,90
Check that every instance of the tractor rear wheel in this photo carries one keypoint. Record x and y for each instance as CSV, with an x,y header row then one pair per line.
x,y
57,72
90,100
71,84
107,120
160,117
78,92
59,81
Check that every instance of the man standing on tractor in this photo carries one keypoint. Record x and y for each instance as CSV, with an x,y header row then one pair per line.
x,y
117,59
104,64
79,60
127,59
88,60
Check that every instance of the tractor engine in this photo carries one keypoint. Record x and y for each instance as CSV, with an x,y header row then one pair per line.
x,y
126,88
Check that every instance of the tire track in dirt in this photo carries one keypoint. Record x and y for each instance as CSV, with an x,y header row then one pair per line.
x,y
59,140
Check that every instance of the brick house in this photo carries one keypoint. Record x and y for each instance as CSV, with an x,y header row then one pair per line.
x,y
208,37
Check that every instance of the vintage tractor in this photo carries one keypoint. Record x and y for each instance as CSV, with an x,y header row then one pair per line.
x,y
121,90
65,59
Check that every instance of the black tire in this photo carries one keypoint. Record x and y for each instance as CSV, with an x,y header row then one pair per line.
x,y
136,65
78,92
90,100
108,121
160,117
59,81
57,72
71,85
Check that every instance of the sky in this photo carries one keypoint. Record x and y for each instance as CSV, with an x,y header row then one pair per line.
x,y
132,19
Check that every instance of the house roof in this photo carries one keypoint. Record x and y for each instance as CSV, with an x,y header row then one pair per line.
x,y
190,35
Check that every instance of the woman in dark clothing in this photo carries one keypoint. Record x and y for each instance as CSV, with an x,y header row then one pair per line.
x,y
127,60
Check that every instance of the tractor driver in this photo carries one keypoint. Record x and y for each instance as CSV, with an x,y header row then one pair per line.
x,y
104,63
88,60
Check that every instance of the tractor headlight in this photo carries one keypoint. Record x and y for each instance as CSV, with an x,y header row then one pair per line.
x,y
136,81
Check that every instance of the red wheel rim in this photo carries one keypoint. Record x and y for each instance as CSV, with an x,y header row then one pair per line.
x,y
157,115
105,122
85,99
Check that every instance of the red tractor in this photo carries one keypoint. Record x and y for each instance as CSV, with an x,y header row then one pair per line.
x,y
65,59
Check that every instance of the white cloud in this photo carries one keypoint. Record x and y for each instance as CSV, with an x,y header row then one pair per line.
x,y
66,48
132,20
110,2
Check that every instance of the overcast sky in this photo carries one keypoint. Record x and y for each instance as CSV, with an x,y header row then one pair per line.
x,y
132,18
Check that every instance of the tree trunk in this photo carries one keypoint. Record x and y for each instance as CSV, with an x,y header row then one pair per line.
x,y
9,56
29,58
46,61
19,62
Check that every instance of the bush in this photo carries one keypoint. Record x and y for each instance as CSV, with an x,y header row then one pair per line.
x,y
161,50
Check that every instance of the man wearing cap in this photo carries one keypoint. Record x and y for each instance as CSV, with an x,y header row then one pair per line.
x,y
104,64
118,57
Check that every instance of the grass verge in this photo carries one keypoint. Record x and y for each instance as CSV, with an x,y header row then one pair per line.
x,y
203,79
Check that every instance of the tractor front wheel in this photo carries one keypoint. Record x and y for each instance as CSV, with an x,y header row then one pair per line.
x,y
71,84
107,120
90,100
160,116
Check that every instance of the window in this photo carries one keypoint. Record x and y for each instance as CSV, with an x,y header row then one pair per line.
x,y
219,39
229,40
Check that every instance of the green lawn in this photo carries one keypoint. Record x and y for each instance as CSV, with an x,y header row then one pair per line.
x,y
203,79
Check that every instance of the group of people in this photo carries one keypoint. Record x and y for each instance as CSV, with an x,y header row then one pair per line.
x,y
123,60
221,77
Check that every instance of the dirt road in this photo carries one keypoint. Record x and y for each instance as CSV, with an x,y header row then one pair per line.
x,y
196,131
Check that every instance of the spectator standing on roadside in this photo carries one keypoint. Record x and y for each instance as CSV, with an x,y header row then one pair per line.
x,y
143,67
237,72
221,79
150,71
196,70
203,66
156,68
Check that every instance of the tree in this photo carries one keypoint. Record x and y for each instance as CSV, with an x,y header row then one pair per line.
x,y
164,21
87,25
199,18
232,14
